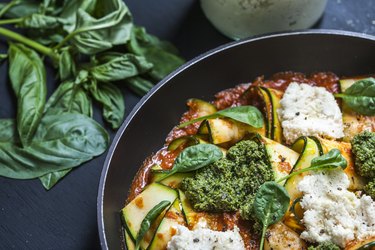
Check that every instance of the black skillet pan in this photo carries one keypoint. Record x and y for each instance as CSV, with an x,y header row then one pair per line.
x,y
145,129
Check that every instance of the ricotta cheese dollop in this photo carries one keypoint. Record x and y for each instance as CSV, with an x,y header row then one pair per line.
x,y
332,213
204,238
308,110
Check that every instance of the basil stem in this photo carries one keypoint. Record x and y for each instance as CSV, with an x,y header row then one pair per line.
x,y
330,160
148,220
11,21
37,46
8,6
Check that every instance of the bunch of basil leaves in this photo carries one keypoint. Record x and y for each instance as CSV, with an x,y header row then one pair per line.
x,y
94,46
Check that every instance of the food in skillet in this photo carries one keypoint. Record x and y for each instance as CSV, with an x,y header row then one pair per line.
x,y
275,164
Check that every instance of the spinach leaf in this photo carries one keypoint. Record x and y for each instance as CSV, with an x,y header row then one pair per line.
x,y
67,65
28,78
160,53
247,114
360,97
270,204
331,160
195,157
61,142
100,30
114,67
113,103
69,97
148,220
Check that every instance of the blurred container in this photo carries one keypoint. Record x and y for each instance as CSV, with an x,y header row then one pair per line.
x,y
242,18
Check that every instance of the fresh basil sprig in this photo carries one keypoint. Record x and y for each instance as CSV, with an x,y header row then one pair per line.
x,y
78,37
247,114
270,204
148,220
331,160
360,97
195,157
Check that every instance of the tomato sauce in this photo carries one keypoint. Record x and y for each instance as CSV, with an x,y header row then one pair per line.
x,y
224,99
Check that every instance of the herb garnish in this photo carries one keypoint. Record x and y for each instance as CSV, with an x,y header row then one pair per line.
x,y
93,45
331,160
270,204
148,220
247,114
360,97
195,157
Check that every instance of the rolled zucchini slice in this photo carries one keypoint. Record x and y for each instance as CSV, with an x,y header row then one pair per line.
x,y
282,158
167,227
268,101
308,148
134,212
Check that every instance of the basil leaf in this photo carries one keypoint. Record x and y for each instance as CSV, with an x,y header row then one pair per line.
x,y
8,131
270,204
109,25
113,103
331,160
40,21
161,54
247,114
118,67
69,97
69,12
67,65
148,220
360,97
28,78
51,179
61,142
139,85
19,8
195,157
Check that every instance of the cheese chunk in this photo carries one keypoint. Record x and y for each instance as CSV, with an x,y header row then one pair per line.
x,y
204,238
307,110
332,213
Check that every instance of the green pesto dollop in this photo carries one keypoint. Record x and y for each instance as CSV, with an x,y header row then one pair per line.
x,y
230,184
327,245
363,147
370,188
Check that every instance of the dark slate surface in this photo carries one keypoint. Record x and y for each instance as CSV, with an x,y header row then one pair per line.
x,y
65,217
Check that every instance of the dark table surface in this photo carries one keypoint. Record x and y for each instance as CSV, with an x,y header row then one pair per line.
x,y
65,217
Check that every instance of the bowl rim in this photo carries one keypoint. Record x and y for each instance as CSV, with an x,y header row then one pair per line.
x,y
144,99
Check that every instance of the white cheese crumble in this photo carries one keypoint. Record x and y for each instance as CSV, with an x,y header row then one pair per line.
x,y
332,213
307,110
204,238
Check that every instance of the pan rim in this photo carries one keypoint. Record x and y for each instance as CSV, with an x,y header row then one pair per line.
x,y
190,63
